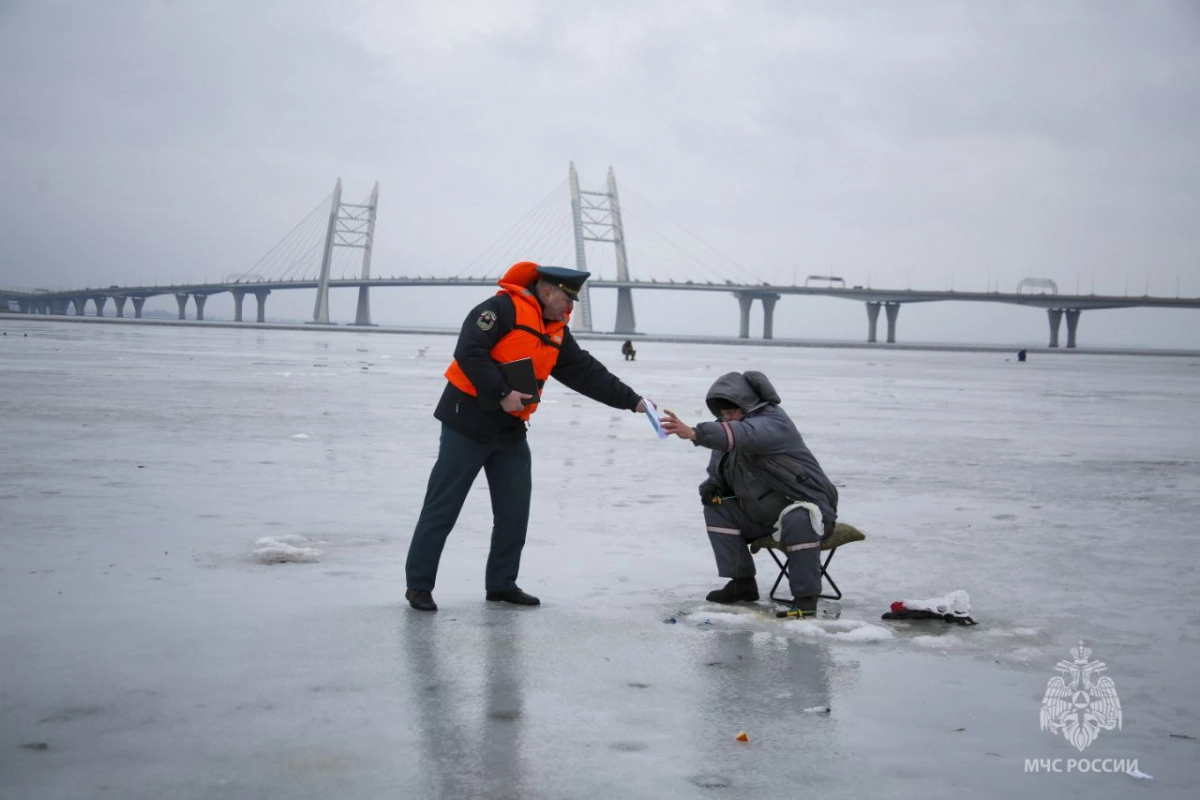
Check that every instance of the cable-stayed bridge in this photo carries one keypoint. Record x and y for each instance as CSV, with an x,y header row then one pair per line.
x,y
331,248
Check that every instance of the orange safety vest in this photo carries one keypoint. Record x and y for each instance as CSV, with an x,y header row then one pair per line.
x,y
533,336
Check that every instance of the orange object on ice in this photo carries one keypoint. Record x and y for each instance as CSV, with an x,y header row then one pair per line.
x,y
742,737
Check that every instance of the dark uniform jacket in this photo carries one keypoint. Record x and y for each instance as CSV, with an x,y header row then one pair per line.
x,y
762,460
576,368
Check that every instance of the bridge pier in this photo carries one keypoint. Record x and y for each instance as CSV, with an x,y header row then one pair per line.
x,y
99,301
80,304
872,320
59,306
1055,315
744,303
138,302
625,323
362,313
200,300
892,310
769,301
119,302
1072,324
261,296
181,299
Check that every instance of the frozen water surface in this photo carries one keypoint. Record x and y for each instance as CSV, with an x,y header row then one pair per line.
x,y
149,648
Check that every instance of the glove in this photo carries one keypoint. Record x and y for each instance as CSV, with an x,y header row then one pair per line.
x,y
710,494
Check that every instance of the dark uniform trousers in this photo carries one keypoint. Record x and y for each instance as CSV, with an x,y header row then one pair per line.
x,y
507,466
730,544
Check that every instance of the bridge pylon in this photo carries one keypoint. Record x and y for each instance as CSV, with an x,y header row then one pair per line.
x,y
593,219
350,225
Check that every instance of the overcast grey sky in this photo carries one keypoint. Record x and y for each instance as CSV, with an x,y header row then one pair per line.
x,y
900,144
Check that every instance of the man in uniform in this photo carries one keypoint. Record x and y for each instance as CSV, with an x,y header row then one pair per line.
x,y
484,419
762,481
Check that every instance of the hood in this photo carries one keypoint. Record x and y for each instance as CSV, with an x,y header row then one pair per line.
x,y
519,281
522,275
749,390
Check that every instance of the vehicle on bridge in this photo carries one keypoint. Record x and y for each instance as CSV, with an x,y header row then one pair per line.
x,y
1046,285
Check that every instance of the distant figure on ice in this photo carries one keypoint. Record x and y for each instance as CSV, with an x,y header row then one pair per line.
x,y
761,476
1020,355
628,351
484,420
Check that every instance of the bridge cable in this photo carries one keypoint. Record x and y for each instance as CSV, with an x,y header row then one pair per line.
x,y
301,254
545,241
746,273
288,240
280,264
503,243
513,246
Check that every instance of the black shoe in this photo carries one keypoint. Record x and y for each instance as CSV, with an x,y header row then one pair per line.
x,y
805,604
801,607
737,589
421,601
514,596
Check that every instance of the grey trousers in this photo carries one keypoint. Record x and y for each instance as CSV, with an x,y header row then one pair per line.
x,y
508,470
730,532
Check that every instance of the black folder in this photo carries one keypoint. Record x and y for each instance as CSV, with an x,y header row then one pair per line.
x,y
518,375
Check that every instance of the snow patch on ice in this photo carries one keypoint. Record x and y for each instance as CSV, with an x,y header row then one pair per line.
x,y
763,620
717,618
841,630
1025,655
1008,633
284,549
936,642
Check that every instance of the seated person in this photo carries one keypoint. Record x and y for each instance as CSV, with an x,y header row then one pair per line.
x,y
762,481
628,351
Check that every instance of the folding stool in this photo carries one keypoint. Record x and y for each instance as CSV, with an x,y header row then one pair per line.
x,y
843,534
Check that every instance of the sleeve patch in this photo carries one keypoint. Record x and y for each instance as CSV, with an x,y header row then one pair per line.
x,y
486,320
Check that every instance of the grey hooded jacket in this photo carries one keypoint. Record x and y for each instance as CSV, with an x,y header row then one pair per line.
x,y
762,459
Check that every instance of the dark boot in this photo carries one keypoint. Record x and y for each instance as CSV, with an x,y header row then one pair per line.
x,y
801,607
514,596
804,606
421,601
737,589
